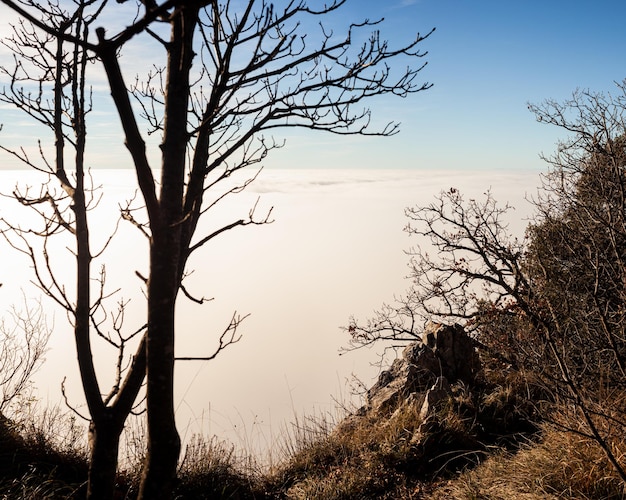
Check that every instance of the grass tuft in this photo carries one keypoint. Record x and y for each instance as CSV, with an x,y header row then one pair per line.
x,y
211,469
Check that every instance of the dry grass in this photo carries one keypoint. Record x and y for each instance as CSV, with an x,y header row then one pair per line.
x,y
562,465
345,463
211,469
43,456
375,456
455,454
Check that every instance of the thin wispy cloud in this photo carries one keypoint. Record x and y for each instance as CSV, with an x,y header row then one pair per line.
x,y
403,4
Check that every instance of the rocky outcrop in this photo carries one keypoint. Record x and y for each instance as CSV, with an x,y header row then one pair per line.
x,y
426,369
435,411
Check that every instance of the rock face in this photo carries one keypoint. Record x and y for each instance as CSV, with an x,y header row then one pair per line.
x,y
454,349
425,370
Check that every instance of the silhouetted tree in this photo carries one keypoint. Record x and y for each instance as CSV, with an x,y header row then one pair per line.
x,y
227,73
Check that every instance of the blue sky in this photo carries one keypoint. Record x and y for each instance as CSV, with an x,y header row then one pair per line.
x,y
487,60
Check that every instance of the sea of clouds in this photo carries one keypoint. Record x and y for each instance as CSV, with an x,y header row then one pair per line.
x,y
336,247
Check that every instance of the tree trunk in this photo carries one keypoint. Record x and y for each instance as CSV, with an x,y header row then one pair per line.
x,y
164,445
104,440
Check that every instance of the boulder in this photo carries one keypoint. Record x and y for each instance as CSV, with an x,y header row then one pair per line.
x,y
454,349
445,355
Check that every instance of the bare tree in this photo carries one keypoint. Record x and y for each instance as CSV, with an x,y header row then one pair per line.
x,y
23,342
468,263
49,83
553,303
229,73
